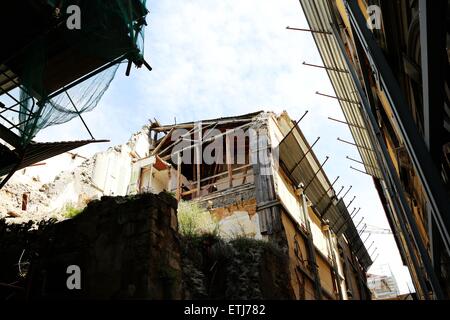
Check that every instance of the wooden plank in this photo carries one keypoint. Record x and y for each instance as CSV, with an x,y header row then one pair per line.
x,y
245,175
189,192
178,193
270,218
172,145
141,171
258,181
229,159
167,136
226,172
199,158
219,183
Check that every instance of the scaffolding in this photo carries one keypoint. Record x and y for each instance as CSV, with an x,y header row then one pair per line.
x,y
52,74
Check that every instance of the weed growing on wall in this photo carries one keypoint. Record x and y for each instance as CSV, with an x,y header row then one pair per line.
x,y
194,220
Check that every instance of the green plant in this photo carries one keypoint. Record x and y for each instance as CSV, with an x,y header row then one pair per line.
x,y
71,212
194,220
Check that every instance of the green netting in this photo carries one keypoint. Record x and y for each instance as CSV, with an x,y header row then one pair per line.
x,y
60,109
109,30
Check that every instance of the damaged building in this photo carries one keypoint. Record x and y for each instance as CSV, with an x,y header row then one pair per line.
x,y
49,75
257,176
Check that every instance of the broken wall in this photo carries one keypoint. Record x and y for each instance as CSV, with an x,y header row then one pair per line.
x,y
234,209
106,173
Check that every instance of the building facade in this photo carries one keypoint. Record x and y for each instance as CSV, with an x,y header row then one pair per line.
x,y
388,63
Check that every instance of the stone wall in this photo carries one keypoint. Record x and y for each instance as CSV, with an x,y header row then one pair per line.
x,y
241,269
126,248
130,248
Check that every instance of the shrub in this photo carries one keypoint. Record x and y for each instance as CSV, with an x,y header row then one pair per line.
x,y
71,212
194,221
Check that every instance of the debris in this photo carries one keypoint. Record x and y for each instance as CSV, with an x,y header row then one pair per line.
x,y
13,214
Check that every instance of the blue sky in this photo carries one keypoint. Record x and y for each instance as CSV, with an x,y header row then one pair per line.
x,y
221,58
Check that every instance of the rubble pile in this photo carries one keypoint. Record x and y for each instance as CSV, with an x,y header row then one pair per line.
x,y
24,199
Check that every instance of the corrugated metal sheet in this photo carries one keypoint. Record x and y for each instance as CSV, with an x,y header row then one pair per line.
x,y
318,15
8,80
39,151
302,168
347,227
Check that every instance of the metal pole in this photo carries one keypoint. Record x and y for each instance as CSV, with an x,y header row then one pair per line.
x,y
295,125
323,67
357,161
349,124
351,202
350,188
362,230
360,171
337,98
314,177
346,220
356,213
337,277
93,73
370,245
376,258
342,188
331,186
309,30
356,227
79,114
368,236
354,144
304,156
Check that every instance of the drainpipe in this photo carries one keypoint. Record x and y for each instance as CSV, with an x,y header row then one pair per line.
x,y
326,228
311,250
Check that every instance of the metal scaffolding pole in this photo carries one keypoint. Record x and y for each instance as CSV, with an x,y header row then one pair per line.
x,y
323,67
309,30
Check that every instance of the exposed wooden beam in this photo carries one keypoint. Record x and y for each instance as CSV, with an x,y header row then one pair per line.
x,y
178,193
164,139
229,160
199,154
